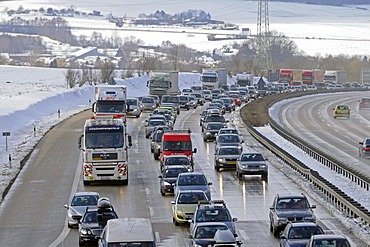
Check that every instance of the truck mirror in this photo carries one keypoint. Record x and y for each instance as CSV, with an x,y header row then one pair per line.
x,y
195,150
147,83
80,141
159,150
129,141
170,84
93,107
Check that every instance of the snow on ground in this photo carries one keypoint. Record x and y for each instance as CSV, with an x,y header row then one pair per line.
x,y
305,21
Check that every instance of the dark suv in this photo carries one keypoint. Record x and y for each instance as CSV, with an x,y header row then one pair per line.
x,y
93,222
289,208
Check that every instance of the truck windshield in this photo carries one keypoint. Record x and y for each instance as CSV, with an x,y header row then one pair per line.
x,y
111,106
161,84
208,79
177,146
104,139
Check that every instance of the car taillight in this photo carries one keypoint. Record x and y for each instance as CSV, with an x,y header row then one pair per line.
x,y
366,148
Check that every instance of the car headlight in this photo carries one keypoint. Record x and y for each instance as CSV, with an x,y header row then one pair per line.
x,y
86,231
197,245
263,166
281,219
165,183
208,133
310,218
221,160
135,110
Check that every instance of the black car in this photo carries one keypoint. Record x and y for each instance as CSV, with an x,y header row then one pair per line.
x,y
211,129
93,222
168,178
289,208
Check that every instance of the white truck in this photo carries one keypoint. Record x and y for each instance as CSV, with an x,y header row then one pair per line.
x,y
110,100
335,76
163,83
104,146
213,78
244,79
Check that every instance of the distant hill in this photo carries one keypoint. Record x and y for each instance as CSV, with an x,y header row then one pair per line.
x,y
327,2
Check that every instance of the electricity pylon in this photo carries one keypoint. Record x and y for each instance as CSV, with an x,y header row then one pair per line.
x,y
263,60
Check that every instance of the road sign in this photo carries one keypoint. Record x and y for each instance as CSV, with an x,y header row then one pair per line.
x,y
6,133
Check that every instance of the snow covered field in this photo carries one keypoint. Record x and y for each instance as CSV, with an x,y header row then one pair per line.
x,y
332,27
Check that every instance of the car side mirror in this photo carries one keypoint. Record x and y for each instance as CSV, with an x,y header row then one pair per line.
x,y
195,150
210,183
66,206
266,159
361,143
160,176
313,206
282,237
173,202
235,219
272,208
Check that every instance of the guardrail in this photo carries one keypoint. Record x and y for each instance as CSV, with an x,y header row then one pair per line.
x,y
331,193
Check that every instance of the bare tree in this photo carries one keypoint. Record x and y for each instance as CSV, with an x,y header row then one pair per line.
x,y
107,69
71,77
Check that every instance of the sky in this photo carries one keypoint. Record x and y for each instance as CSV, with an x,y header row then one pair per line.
x,y
31,97
332,27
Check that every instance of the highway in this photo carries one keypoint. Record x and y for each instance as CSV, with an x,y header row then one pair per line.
x,y
33,212
312,120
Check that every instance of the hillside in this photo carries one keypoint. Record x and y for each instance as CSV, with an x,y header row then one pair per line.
x,y
327,2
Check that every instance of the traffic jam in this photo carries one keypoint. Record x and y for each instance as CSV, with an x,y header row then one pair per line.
x,y
105,143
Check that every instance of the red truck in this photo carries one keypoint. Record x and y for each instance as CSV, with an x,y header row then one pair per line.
x,y
309,77
177,142
285,76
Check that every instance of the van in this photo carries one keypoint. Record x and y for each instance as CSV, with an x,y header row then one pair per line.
x,y
128,232
177,142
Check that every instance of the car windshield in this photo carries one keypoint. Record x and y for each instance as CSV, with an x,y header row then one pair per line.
x,y
174,172
215,215
208,231
304,232
191,198
131,101
292,203
331,243
147,100
342,107
228,131
192,180
214,126
228,139
156,123
90,217
177,161
252,157
84,200
215,119
176,145
229,151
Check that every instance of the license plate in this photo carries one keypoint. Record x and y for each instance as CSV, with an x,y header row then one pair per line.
x,y
231,162
105,178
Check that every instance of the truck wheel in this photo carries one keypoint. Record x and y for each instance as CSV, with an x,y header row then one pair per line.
x,y
86,182
125,182
138,115
264,177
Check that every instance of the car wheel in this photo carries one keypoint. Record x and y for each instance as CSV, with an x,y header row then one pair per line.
x,y
238,174
81,244
217,168
69,225
163,193
205,139
271,227
174,221
151,150
137,116
156,156
147,137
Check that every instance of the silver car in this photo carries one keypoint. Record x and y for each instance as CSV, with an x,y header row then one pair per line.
x,y
148,103
252,164
364,149
152,124
229,140
226,157
78,204
133,107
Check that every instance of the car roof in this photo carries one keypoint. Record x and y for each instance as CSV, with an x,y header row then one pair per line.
x,y
301,224
199,224
192,173
292,196
85,193
328,236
